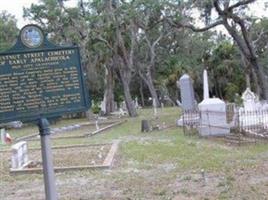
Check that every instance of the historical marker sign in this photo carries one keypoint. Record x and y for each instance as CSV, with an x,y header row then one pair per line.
x,y
39,79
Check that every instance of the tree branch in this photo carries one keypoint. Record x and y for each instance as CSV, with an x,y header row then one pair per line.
x,y
195,29
237,38
217,7
240,3
104,41
260,36
244,31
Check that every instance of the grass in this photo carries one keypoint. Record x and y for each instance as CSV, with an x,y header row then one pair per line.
x,y
149,152
160,146
191,155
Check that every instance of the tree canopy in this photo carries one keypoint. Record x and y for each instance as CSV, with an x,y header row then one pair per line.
x,y
140,48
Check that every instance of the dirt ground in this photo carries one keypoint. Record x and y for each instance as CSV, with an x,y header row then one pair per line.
x,y
125,180
161,165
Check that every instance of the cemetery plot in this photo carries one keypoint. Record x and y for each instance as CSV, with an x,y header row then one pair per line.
x,y
213,117
75,157
79,155
73,131
101,129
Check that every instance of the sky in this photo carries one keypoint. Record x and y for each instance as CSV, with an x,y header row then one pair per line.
x,y
15,7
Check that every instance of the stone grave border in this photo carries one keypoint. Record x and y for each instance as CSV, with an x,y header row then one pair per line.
x,y
106,128
112,124
107,163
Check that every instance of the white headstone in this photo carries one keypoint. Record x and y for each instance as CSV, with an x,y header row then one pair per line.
x,y
213,121
252,113
19,155
250,100
155,107
97,124
136,103
205,85
3,132
103,106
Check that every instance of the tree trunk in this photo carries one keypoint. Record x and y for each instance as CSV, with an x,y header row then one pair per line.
x,y
149,82
152,90
245,45
129,102
262,81
220,93
141,94
255,83
248,80
247,70
109,90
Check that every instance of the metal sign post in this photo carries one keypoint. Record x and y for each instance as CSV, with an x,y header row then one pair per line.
x,y
47,160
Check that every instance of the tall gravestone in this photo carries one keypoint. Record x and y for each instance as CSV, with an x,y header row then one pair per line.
x,y
205,85
187,93
213,120
190,115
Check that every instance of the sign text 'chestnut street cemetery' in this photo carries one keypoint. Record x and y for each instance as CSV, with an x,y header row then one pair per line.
x,y
35,83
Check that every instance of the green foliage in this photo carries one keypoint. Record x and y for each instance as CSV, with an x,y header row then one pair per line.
x,y
93,27
95,108
8,30
230,91
227,74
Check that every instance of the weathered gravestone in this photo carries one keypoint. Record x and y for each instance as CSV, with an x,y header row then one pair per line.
x,y
155,107
250,100
103,107
187,93
123,105
40,81
19,157
190,115
2,134
145,126
136,103
253,113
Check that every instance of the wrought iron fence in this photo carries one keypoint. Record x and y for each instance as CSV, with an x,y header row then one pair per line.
x,y
239,121
254,122
190,121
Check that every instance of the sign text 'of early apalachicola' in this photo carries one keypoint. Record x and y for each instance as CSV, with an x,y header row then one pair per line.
x,y
39,79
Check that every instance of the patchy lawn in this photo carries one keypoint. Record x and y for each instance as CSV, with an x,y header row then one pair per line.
x,y
157,165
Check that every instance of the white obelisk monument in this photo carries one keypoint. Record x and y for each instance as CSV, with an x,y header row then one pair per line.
x,y
213,113
205,85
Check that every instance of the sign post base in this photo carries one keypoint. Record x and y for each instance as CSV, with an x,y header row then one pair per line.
x,y
47,160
